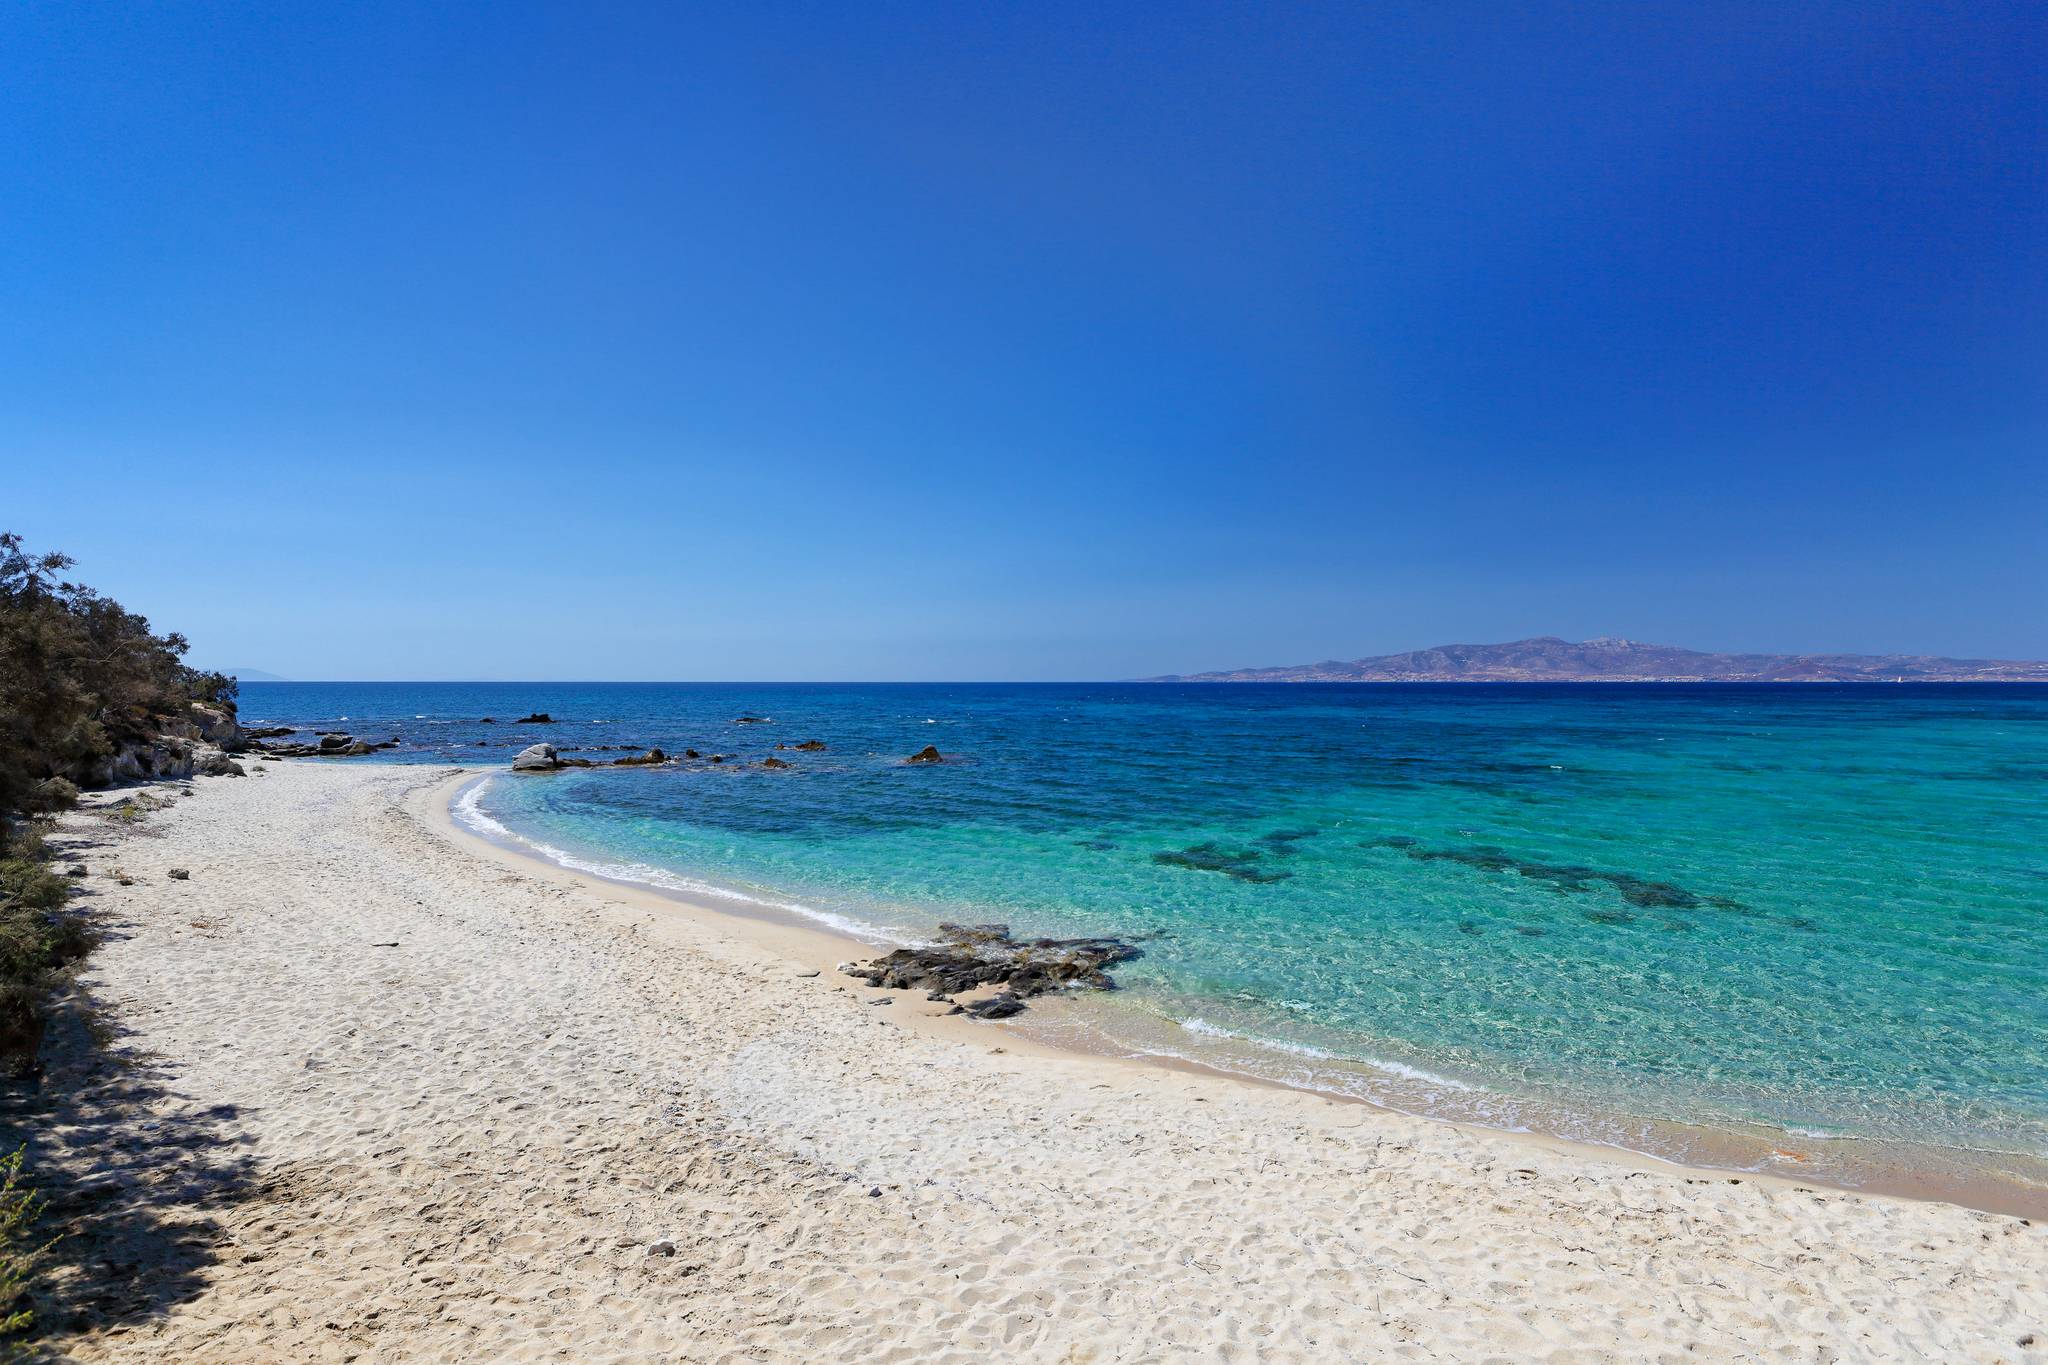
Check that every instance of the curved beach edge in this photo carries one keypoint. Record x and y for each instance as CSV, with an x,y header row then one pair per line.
x,y
363,1087
1063,1030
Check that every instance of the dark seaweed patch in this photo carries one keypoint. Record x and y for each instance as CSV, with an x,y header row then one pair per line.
x,y
1282,841
1390,841
1099,845
1212,857
1569,878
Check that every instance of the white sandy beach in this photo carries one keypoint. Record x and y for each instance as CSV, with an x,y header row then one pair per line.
x,y
390,1094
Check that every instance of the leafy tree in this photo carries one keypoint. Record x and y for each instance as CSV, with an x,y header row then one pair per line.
x,y
80,676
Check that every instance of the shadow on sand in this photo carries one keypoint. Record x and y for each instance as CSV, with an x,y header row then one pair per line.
x,y
135,1175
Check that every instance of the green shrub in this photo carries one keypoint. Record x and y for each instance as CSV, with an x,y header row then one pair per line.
x,y
19,1251
36,944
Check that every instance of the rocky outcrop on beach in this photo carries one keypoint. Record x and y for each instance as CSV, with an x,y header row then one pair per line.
x,y
928,754
333,744
216,763
967,957
198,741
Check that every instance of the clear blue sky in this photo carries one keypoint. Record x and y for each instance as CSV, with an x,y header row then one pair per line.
x,y
1034,341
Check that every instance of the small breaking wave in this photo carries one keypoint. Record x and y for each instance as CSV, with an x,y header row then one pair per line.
x,y
469,812
1200,1026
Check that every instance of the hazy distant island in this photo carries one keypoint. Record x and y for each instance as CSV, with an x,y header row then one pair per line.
x,y
1547,658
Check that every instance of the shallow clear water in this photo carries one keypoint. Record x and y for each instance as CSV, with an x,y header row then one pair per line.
x,y
1809,910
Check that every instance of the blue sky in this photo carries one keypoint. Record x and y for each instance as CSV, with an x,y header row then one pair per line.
x,y
1034,341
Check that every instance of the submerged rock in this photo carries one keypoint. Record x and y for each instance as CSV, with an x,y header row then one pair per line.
x,y
637,760
773,762
537,718
1643,893
1237,864
750,720
970,956
928,754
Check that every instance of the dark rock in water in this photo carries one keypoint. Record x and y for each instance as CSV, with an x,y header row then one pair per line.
x,y
537,718
970,956
810,746
999,1006
331,740
691,753
717,758
750,720
1572,878
488,720
640,760
928,754
773,763
267,732
1213,857
1282,840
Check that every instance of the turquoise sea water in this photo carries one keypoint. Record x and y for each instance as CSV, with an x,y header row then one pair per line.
x,y
1813,914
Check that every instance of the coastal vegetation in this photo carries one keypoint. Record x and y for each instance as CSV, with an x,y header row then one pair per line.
x,y
83,682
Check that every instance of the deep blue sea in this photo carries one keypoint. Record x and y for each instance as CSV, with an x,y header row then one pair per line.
x,y
1810,916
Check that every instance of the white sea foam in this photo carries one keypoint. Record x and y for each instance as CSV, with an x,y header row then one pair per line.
x,y
1198,1025
469,812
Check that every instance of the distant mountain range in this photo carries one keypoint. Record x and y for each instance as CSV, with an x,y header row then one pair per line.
x,y
252,675
1549,659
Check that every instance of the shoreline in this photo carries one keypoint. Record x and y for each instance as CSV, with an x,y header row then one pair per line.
x,y
366,1087
1071,1025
